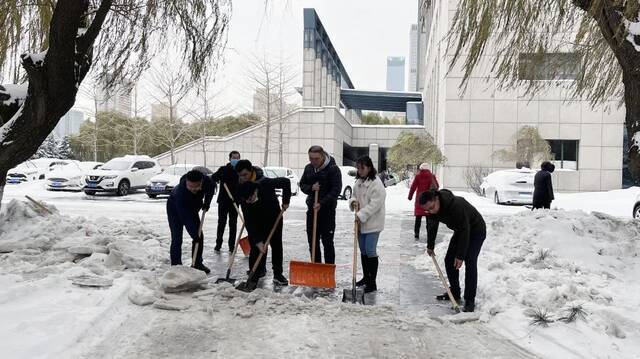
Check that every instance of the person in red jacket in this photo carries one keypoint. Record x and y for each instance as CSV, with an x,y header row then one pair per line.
x,y
423,181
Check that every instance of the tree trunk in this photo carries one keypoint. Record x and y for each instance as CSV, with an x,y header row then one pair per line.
x,y
632,120
2,184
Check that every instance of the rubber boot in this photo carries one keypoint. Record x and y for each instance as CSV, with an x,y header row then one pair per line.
x,y
373,273
363,281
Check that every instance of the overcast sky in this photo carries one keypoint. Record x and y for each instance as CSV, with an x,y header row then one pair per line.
x,y
364,33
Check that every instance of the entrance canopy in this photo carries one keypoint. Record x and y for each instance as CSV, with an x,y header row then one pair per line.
x,y
392,101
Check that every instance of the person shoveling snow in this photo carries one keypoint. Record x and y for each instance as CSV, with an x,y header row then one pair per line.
x,y
183,206
469,232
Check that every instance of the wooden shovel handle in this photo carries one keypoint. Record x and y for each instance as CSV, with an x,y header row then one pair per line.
x,y
356,228
195,249
266,244
234,202
444,283
39,205
315,227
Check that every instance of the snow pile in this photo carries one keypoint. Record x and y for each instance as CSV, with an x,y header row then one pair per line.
x,y
579,269
43,245
181,278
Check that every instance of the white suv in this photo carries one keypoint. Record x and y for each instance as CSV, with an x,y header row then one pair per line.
x,y
121,174
274,172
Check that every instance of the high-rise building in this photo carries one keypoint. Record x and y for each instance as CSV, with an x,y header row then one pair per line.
x,y
161,110
413,58
115,99
395,73
69,124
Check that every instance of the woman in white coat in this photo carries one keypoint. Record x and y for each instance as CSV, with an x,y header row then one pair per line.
x,y
368,197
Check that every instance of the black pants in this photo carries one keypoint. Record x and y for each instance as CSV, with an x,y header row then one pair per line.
x,y
276,252
224,210
177,227
324,233
430,223
470,265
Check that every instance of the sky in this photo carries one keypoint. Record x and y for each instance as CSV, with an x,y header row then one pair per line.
x,y
364,33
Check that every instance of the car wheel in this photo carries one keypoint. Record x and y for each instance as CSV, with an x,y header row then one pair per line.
x,y
636,211
123,188
90,193
347,193
496,199
152,195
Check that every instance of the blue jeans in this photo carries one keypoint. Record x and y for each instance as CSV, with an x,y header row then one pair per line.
x,y
368,243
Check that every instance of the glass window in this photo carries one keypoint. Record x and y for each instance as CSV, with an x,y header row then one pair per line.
x,y
565,153
549,66
139,165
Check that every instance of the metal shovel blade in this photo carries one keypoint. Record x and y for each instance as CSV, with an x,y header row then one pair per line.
x,y
353,296
228,280
248,286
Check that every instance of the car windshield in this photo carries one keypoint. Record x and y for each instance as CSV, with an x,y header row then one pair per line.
x,y
116,165
26,165
177,170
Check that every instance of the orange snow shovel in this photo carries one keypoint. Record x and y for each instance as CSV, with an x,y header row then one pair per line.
x,y
244,241
456,307
252,284
312,274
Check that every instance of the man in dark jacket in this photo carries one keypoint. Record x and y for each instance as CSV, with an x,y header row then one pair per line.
x,y
469,232
322,175
260,208
227,175
183,206
543,186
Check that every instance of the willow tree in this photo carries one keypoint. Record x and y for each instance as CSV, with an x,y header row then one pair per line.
x,y
57,42
605,35
410,150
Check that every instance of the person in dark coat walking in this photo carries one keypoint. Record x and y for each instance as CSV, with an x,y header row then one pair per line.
x,y
543,186
260,207
194,192
469,232
423,181
322,175
227,175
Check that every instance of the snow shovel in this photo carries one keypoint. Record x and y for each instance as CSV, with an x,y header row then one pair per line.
x,y
251,284
312,274
244,241
456,307
354,295
195,249
231,260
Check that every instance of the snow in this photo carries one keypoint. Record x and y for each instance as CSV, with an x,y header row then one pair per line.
x,y
4,129
633,30
38,58
16,92
551,259
636,140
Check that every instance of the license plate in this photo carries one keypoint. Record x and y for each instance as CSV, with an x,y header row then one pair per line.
x,y
56,184
525,193
14,181
92,185
157,188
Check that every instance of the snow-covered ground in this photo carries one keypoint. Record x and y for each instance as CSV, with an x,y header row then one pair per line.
x,y
544,260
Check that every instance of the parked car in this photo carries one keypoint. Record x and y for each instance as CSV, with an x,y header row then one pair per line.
x,y
32,170
163,184
513,186
348,181
70,177
636,208
121,174
273,172
389,178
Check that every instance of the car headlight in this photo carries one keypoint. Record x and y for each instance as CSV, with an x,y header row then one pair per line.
x,y
110,177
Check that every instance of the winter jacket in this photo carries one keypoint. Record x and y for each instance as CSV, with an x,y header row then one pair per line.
x,y
461,217
330,180
371,196
424,181
542,188
226,175
260,216
187,204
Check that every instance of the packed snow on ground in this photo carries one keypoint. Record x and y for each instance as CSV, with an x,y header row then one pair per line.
x,y
551,261
44,314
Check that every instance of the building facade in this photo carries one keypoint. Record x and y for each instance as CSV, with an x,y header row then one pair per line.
x,y
471,126
413,58
161,110
395,73
69,124
116,99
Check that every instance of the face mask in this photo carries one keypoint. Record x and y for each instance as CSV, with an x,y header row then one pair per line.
x,y
234,163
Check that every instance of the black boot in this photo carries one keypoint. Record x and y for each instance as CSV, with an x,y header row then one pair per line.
x,y
363,281
469,305
373,273
202,267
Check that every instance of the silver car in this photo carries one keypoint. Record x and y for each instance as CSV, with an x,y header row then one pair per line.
x,y
514,186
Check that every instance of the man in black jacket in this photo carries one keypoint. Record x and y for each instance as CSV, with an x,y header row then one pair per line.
x,y
260,208
183,206
227,175
469,232
322,175
543,186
